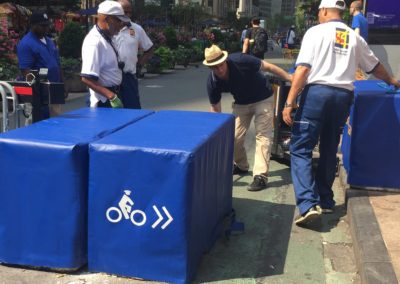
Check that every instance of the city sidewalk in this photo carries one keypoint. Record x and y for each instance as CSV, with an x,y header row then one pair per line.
x,y
374,223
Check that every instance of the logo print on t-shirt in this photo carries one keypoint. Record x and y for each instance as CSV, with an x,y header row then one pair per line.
x,y
342,38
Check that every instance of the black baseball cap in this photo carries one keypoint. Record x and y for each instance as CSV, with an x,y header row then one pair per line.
x,y
39,18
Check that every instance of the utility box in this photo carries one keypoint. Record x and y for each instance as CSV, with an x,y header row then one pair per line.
x,y
371,139
159,192
43,186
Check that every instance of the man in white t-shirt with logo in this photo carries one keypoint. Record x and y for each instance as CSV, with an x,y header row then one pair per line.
x,y
326,66
128,42
101,65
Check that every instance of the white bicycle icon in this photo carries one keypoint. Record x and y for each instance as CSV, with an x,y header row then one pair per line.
x,y
114,214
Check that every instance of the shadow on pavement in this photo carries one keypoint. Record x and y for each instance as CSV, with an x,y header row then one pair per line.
x,y
257,252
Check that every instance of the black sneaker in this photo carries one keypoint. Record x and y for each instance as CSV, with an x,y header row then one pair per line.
x,y
258,183
309,217
239,171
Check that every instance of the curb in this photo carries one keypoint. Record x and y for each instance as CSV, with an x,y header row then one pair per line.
x,y
373,260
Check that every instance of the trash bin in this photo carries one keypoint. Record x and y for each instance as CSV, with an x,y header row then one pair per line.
x,y
371,145
164,197
43,186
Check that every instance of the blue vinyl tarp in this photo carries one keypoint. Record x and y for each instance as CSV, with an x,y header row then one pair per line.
x,y
166,191
43,186
371,142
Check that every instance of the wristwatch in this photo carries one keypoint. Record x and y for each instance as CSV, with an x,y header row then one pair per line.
x,y
293,105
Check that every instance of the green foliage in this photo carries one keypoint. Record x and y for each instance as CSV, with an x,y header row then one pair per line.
x,y
218,37
70,40
166,57
182,55
197,54
236,23
70,66
171,38
8,71
154,64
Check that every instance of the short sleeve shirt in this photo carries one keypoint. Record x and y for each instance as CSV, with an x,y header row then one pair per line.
x,y
333,51
128,42
99,61
246,83
360,22
34,54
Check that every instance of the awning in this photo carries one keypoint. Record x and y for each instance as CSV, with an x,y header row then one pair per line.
x,y
88,12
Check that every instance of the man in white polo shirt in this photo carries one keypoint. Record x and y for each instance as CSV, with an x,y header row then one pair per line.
x,y
101,66
325,70
129,40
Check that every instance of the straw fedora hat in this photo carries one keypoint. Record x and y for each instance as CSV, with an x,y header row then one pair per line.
x,y
214,55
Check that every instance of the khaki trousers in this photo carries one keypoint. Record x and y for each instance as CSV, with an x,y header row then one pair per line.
x,y
263,114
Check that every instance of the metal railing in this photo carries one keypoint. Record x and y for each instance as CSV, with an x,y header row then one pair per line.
x,y
10,112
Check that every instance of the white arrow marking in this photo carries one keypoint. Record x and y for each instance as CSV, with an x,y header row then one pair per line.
x,y
160,218
170,219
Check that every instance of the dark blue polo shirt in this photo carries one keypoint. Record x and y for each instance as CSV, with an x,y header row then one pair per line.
x,y
34,54
246,83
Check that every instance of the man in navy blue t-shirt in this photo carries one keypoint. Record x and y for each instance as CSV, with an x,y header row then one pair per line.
x,y
240,75
36,50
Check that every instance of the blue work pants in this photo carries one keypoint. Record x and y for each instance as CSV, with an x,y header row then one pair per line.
x,y
129,91
322,113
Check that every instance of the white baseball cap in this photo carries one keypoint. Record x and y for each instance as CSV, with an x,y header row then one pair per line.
x,y
338,4
112,8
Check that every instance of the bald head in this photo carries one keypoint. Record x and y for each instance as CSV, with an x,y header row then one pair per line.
x,y
356,5
355,8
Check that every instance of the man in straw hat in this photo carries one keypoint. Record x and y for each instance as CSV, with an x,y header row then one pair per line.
x,y
326,66
101,64
239,74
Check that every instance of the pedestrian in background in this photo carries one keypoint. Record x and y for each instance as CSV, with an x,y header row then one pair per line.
x,y
359,22
35,51
240,75
360,25
101,64
256,40
290,37
243,36
323,80
128,41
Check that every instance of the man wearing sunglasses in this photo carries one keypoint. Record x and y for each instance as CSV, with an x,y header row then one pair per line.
x,y
101,64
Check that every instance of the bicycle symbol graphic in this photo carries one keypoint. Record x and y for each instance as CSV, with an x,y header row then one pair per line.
x,y
114,214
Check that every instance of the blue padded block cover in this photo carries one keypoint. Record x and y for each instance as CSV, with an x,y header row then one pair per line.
x,y
374,150
43,186
178,160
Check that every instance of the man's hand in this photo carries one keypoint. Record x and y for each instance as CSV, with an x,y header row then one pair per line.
x,y
286,115
116,102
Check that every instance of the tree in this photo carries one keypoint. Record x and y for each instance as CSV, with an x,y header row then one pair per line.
x,y
32,5
71,39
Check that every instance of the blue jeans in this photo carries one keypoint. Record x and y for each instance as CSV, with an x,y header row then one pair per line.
x,y
129,91
321,115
